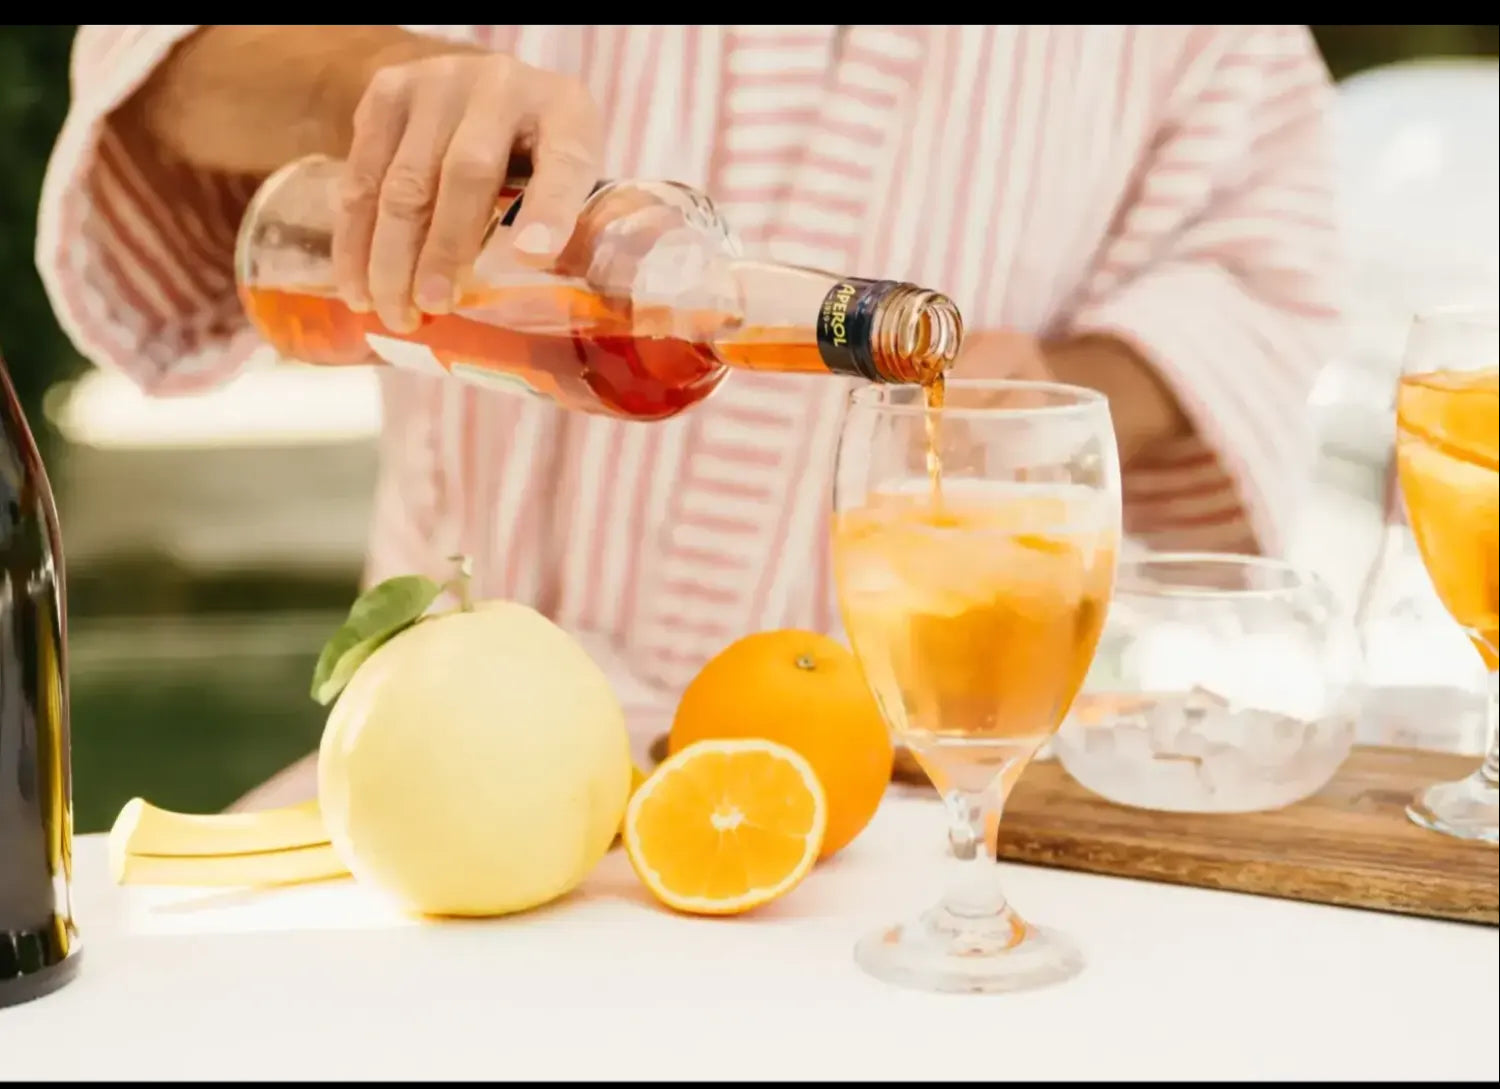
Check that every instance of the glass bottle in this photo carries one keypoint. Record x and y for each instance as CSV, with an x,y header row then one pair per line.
x,y
645,311
38,941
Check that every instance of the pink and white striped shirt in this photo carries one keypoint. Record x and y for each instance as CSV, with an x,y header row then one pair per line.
x,y
1168,184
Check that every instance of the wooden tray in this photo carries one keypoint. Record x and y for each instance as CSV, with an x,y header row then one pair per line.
x,y
1351,844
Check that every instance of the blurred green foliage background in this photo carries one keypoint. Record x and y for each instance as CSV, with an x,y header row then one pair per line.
x,y
188,689
33,100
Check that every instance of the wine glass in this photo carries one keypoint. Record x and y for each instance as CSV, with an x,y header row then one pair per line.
x,y
974,553
1447,419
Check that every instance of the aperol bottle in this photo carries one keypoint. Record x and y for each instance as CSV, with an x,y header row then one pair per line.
x,y
642,315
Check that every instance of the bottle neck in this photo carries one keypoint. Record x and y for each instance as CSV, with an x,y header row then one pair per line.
x,y
888,331
799,320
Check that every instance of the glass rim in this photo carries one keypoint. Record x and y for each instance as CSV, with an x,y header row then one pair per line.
x,y
870,397
1466,313
1296,577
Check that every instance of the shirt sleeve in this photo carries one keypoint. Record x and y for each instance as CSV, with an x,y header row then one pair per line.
x,y
136,253
1223,268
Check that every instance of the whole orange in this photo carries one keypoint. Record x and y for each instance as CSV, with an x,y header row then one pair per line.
x,y
804,691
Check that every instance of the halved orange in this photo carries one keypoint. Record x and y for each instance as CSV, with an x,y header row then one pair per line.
x,y
726,826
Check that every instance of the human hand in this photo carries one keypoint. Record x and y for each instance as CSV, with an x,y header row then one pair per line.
x,y
431,148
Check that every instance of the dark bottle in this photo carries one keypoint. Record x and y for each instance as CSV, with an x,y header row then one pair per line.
x,y
38,942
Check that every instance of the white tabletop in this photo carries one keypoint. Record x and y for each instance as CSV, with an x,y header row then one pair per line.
x,y
322,982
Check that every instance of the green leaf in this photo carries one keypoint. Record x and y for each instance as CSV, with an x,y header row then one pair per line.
x,y
381,612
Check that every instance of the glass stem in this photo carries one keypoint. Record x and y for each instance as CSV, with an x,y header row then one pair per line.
x,y
975,889
1491,767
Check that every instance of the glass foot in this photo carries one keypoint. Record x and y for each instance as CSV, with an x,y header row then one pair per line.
x,y
942,951
1466,809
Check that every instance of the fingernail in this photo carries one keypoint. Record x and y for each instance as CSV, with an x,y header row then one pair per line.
x,y
435,295
359,304
404,321
535,238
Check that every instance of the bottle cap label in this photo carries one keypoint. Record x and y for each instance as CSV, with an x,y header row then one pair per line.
x,y
846,321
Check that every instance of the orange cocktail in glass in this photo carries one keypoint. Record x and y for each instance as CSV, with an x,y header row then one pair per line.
x,y
1447,454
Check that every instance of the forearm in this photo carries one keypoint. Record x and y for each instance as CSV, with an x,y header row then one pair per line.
x,y
1144,408
248,99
